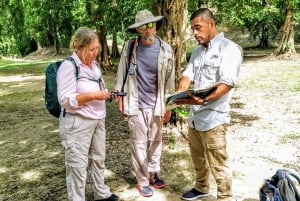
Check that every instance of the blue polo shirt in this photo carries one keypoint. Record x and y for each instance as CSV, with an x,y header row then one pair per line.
x,y
220,62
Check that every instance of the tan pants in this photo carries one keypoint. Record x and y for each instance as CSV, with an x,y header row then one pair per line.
x,y
146,144
84,143
208,152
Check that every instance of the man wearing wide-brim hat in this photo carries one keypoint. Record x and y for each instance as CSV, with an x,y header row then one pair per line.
x,y
146,76
144,17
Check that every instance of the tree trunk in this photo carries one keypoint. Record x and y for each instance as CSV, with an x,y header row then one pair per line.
x,y
173,31
286,48
103,58
264,40
54,24
56,41
114,47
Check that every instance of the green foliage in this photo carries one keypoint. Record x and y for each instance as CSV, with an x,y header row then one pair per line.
x,y
12,29
286,46
172,141
257,16
297,87
289,138
28,23
48,22
121,13
181,112
8,46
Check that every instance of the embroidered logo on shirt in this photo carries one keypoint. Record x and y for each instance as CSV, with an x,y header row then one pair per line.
x,y
214,56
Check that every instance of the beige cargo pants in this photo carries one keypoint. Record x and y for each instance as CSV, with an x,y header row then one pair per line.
x,y
208,152
84,143
146,144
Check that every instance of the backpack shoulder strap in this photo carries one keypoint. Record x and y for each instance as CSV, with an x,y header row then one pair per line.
x,y
75,65
130,48
131,44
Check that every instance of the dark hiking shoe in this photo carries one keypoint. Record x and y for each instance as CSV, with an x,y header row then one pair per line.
x,y
193,195
113,197
145,191
156,182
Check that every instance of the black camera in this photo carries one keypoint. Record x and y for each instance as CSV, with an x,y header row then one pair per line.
x,y
117,93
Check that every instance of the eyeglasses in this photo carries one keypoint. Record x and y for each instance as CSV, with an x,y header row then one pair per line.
x,y
145,26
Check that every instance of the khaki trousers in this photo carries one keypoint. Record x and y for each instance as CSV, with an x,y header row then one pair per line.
x,y
146,144
84,143
208,152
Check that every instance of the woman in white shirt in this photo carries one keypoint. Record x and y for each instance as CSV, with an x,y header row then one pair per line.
x,y
82,120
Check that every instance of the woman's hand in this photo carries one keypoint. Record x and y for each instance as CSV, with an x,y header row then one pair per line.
x,y
102,95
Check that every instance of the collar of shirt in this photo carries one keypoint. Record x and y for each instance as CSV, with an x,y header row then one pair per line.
x,y
216,39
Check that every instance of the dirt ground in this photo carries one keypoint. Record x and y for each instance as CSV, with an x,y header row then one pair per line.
x,y
265,131
264,136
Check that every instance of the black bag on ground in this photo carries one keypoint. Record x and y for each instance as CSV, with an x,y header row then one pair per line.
x,y
280,187
51,100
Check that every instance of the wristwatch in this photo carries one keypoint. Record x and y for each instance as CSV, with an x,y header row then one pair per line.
x,y
204,101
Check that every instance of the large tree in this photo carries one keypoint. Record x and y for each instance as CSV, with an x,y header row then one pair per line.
x,y
286,48
174,29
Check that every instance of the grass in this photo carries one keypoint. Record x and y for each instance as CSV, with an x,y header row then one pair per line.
x,y
289,138
12,68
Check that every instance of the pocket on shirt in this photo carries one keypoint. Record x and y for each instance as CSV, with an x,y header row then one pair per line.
x,y
213,61
212,66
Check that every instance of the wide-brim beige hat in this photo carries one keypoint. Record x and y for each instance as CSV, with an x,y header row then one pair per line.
x,y
143,17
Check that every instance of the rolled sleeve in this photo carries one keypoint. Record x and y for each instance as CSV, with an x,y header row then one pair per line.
x,y
230,65
66,86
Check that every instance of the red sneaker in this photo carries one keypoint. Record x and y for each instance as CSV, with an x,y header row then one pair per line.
x,y
156,182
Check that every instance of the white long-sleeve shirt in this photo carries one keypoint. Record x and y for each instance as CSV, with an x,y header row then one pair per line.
x,y
68,88
220,62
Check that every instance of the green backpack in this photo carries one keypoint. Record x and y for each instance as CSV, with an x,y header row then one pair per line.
x,y
51,100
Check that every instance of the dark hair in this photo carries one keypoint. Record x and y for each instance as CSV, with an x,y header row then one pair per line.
x,y
204,13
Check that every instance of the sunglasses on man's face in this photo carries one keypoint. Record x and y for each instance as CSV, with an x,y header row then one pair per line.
x,y
145,26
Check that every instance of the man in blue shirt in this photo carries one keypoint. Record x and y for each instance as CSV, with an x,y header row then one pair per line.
x,y
215,59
